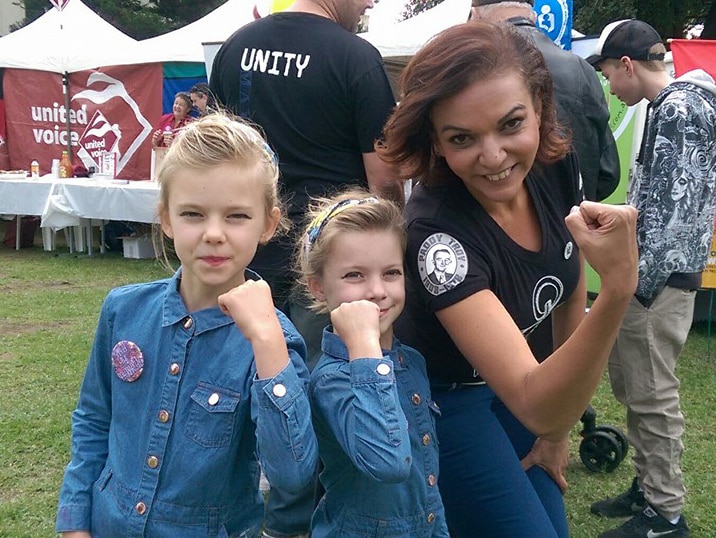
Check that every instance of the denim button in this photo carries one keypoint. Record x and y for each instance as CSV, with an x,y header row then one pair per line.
x,y
174,368
416,399
431,517
426,439
153,462
140,508
214,398
431,479
188,322
383,369
163,416
279,390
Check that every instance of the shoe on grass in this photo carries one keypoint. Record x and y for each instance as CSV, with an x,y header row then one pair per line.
x,y
627,504
649,524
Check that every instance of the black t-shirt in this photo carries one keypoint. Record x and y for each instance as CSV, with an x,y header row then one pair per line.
x,y
320,93
322,96
447,223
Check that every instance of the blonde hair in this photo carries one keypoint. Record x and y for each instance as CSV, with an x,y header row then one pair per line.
x,y
353,210
215,140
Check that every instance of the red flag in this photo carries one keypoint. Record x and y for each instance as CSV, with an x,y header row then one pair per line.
x,y
60,4
694,54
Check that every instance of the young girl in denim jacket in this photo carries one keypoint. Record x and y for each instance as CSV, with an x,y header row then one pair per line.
x,y
196,380
372,411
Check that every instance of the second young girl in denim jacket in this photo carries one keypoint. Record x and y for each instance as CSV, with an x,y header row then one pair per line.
x,y
373,415
194,380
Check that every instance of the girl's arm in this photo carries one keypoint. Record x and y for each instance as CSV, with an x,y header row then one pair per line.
x,y
287,446
549,398
360,403
90,431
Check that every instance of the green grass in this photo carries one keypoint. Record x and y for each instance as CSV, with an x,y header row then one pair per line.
x,y
48,310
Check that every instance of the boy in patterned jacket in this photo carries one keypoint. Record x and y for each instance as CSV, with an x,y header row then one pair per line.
x,y
672,186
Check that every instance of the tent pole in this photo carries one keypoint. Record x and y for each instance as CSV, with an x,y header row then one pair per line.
x,y
66,91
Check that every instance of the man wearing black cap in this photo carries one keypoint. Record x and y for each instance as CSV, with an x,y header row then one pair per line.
x,y
672,186
578,93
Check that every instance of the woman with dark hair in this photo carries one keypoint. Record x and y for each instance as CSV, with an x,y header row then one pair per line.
x,y
498,190
202,99
171,123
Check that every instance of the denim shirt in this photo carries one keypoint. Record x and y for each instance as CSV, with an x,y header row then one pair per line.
x,y
375,423
175,452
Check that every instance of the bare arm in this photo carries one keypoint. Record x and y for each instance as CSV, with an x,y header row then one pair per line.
x,y
383,178
553,456
549,398
567,317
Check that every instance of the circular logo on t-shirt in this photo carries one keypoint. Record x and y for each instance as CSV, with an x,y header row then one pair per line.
x,y
442,263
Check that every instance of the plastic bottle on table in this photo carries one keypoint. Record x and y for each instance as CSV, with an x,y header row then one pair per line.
x,y
168,136
66,169
34,170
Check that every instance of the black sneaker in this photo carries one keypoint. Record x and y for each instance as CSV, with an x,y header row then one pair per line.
x,y
627,504
649,524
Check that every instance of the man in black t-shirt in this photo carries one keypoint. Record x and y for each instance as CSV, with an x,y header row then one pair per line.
x,y
322,96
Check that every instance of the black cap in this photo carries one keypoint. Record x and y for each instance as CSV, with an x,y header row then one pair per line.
x,y
631,37
480,3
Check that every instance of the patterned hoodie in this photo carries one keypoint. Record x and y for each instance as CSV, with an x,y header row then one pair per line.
x,y
674,180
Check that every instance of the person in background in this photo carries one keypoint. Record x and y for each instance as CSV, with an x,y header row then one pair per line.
x,y
499,190
370,398
195,380
321,95
202,99
170,123
673,187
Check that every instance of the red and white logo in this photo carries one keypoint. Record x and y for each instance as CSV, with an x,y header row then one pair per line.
x,y
60,4
99,137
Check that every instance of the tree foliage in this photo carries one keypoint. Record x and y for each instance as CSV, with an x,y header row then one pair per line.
x,y
141,20
134,18
671,18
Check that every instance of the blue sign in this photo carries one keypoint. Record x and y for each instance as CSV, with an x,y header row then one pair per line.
x,y
554,18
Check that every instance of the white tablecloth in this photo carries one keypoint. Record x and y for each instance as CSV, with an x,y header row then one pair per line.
x,y
24,196
66,203
75,199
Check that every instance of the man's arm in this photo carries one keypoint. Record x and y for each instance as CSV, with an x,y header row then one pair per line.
x,y
383,178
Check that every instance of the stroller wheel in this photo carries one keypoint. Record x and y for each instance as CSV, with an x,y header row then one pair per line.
x,y
618,435
601,451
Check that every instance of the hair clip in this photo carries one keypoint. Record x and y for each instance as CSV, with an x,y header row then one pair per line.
x,y
317,224
271,154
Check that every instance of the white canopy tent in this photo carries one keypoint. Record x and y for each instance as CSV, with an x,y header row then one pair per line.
x,y
72,40
404,38
185,44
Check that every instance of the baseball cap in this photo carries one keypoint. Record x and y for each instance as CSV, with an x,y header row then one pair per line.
x,y
479,3
630,37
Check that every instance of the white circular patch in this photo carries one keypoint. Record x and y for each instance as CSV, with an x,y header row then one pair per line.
x,y
442,263
568,250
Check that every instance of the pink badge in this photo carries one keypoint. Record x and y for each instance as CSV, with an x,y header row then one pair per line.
x,y
127,360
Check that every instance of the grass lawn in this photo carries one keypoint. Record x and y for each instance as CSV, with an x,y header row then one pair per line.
x,y
49,304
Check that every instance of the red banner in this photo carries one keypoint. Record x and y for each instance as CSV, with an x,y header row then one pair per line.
x,y
693,54
4,156
112,109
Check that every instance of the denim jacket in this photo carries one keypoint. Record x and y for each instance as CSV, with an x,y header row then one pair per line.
x,y
176,451
375,423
